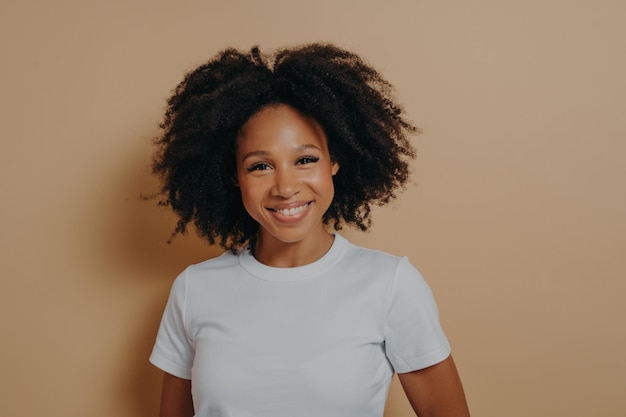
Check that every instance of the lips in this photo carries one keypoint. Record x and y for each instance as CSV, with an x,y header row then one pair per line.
x,y
291,211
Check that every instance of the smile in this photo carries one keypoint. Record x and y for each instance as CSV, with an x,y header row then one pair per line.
x,y
292,211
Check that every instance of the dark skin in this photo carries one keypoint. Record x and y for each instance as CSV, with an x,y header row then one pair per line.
x,y
435,391
176,397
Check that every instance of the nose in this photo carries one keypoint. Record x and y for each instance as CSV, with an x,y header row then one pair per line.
x,y
286,183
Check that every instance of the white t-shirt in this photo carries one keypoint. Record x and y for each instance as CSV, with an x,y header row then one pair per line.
x,y
319,340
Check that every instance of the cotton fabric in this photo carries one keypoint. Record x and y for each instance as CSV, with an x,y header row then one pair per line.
x,y
321,339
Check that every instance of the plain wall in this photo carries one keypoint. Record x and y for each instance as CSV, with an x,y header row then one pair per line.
x,y
516,216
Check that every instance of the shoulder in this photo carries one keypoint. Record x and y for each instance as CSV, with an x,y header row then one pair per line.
x,y
371,257
209,269
378,263
211,278
224,261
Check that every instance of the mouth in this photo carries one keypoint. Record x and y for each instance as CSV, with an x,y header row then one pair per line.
x,y
292,211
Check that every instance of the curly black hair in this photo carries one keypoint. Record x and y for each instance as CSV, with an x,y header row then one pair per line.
x,y
366,130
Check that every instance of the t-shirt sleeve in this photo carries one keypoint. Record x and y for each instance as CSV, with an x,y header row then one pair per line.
x,y
414,338
173,351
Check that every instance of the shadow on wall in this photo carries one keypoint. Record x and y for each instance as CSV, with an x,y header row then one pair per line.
x,y
133,235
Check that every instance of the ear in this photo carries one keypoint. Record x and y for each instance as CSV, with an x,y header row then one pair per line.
x,y
334,168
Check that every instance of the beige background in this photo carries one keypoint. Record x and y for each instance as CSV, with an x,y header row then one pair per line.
x,y
516,218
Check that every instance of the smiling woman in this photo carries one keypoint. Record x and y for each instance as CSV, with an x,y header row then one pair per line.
x,y
263,154
285,174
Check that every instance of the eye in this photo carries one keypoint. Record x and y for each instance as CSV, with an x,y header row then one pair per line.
x,y
307,160
259,166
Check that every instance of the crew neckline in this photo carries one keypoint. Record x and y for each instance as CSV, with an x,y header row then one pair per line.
x,y
293,274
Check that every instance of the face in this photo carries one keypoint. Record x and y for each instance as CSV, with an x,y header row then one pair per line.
x,y
285,174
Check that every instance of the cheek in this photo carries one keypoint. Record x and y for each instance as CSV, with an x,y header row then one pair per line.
x,y
248,194
322,182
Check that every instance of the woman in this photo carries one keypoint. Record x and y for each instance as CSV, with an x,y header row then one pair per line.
x,y
265,154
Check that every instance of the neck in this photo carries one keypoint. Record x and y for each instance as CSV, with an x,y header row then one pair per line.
x,y
273,252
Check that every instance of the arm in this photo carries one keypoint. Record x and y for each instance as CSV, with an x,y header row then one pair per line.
x,y
176,397
436,391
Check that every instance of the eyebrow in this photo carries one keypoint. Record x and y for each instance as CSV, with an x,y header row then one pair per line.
x,y
266,153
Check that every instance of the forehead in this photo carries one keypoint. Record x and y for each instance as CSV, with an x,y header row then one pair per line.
x,y
280,126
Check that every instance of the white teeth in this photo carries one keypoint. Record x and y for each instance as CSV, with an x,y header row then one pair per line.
x,y
292,211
